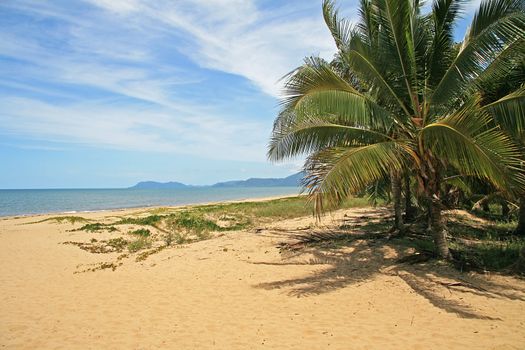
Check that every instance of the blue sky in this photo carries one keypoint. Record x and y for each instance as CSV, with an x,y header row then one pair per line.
x,y
106,93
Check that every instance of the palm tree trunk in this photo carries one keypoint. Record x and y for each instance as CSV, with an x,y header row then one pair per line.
x,y
520,230
437,228
436,221
396,198
409,209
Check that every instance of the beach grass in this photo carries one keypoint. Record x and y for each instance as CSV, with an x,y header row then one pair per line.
x,y
62,220
282,208
476,242
196,222
144,232
190,224
97,226
139,244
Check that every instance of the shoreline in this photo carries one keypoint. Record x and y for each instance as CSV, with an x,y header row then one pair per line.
x,y
144,208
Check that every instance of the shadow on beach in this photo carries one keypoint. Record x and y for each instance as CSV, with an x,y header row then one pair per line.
x,y
361,257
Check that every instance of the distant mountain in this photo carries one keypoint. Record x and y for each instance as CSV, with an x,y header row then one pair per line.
x,y
162,185
290,181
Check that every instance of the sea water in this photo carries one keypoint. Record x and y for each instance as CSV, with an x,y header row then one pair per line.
x,y
26,202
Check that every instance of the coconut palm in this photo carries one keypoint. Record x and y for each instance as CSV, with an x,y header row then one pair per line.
x,y
402,96
506,107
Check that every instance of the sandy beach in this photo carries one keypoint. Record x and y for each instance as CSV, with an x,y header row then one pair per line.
x,y
240,291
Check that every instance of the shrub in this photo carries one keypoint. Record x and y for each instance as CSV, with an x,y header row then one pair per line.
x,y
139,244
150,220
144,232
97,227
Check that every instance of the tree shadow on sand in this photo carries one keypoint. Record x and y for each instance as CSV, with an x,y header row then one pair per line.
x,y
352,257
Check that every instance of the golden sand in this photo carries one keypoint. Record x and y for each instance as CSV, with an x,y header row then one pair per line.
x,y
238,291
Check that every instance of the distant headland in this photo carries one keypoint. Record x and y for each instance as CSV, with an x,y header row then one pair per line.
x,y
290,181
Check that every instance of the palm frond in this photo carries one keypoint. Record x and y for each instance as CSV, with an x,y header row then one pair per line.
x,y
315,75
340,28
505,67
313,134
477,53
467,141
458,182
368,25
401,19
317,90
489,12
509,111
344,108
440,55
366,69
335,173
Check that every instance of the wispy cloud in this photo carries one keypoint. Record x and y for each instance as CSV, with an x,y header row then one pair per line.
x,y
236,36
137,74
143,129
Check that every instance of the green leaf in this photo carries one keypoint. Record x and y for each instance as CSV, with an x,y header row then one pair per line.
x,y
466,141
291,138
334,173
509,111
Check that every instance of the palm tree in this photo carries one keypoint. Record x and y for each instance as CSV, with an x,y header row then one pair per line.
x,y
506,107
403,96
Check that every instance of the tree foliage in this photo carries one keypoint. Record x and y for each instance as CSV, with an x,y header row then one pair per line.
x,y
401,95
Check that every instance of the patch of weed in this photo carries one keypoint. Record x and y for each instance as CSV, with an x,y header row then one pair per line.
x,y
102,266
97,226
490,255
150,220
114,245
141,232
139,244
168,238
192,222
62,219
181,237
144,255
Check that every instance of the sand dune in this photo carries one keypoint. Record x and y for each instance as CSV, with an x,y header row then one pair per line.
x,y
238,291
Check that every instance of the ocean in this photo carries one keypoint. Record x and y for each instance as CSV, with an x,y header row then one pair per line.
x,y
26,202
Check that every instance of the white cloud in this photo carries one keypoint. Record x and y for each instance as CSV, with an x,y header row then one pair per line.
x,y
119,6
106,73
141,129
234,36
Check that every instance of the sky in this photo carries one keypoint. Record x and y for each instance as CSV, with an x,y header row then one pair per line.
x,y
106,93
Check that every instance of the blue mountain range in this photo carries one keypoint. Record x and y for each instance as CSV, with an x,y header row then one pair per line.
x,y
290,181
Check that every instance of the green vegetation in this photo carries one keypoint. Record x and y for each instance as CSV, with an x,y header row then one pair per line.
x,y
181,237
62,219
144,232
490,255
144,255
192,224
150,220
196,223
139,244
117,244
191,221
114,245
168,238
481,247
475,242
280,209
95,227
101,266
402,105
